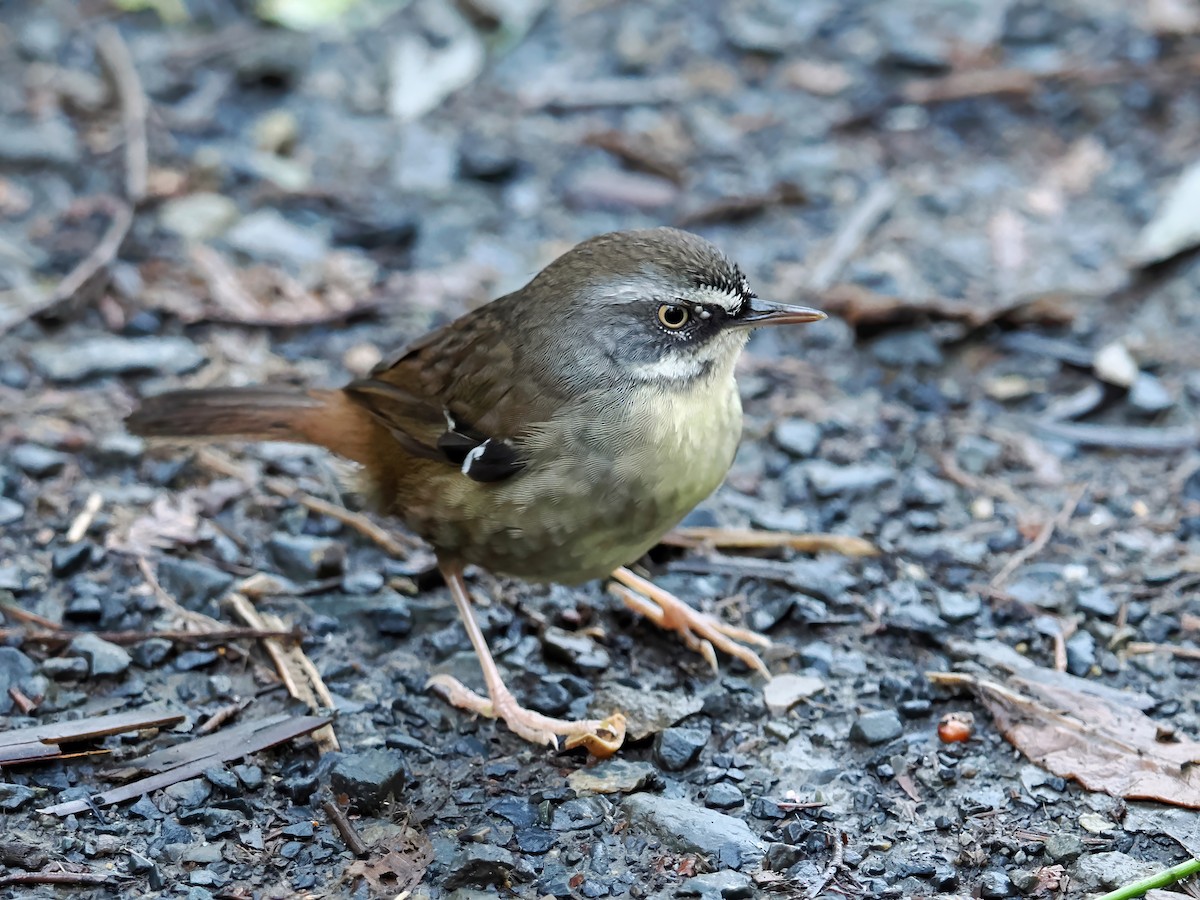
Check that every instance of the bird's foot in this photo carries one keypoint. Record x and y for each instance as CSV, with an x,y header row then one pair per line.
x,y
601,737
700,631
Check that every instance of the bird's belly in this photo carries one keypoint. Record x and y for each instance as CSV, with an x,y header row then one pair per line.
x,y
599,502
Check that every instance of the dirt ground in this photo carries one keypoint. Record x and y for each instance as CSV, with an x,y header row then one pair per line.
x,y
994,200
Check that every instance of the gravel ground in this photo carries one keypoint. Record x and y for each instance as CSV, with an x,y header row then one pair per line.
x,y
1005,403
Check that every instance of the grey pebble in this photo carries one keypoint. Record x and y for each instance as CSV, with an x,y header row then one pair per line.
x,y
1081,652
10,511
798,437
266,234
904,349
46,142
14,796
65,668
103,657
1097,602
111,355
995,884
579,650
480,865
305,557
955,607
829,480
877,727
1148,395
38,461
677,748
692,829
723,795
1061,847
151,652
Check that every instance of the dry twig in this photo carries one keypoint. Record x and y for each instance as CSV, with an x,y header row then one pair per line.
x,y
86,517
345,827
1039,543
845,242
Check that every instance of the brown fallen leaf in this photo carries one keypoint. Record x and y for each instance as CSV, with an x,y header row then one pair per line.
x,y
397,864
865,309
171,522
1102,743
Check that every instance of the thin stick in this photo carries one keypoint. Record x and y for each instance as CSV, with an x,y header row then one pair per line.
x,y
219,718
345,828
55,878
752,539
856,228
835,863
1039,543
1146,647
170,604
23,703
395,545
12,611
86,517
59,636
134,109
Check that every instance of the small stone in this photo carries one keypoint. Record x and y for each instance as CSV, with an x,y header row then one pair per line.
x,y
677,748
103,658
829,480
1097,602
151,652
1063,848
190,660
266,234
195,585
219,776
189,794
84,608
1094,823
1149,396
1081,653
369,778
580,650
976,454
38,461
249,775
110,355
534,839
612,776
198,217
877,727
723,795
1114,364
14,796
1111,869
783,692
689,828
905,349
66,561
924,489
49,141
305,557
580,813
480,865
955,607
10,511
65,668
798,437
995,884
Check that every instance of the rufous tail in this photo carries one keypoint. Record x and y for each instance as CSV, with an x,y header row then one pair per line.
x,y
326,418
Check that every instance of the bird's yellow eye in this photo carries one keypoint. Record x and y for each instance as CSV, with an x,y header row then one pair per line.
x,y
672,316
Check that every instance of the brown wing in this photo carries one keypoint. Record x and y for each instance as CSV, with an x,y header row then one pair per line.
x,y
460,395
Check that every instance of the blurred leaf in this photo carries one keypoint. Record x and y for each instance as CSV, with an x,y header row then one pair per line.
x,y
172,12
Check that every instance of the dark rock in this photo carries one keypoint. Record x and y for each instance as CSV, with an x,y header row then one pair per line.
x,y
189,794
194,584
906,349
677,748
924,489
303,829
976,454
877,727
84,608
1081,653
10,511
798,437
516,810
955,607
103,658
579,650
534,839
65,668
369,778
723,795
249,775
151,652
44,142
299,787
219,776
66,561
14,796
1061,847
363,582
38,461
480,865
394,616
582,812
995,884
189,660
1097,602
16,670
725,885
689,828
305,557
111,355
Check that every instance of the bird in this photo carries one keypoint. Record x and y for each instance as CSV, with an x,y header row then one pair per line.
x,y
554,434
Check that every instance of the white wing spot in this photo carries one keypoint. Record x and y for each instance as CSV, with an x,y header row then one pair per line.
x,y
473,456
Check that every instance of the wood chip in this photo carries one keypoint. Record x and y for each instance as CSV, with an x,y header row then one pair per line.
x,y
39,742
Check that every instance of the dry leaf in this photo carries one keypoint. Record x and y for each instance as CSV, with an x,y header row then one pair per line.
x,y
170,523
1102,743
395,869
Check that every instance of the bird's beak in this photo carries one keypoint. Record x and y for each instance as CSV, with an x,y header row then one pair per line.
x,y
765,312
